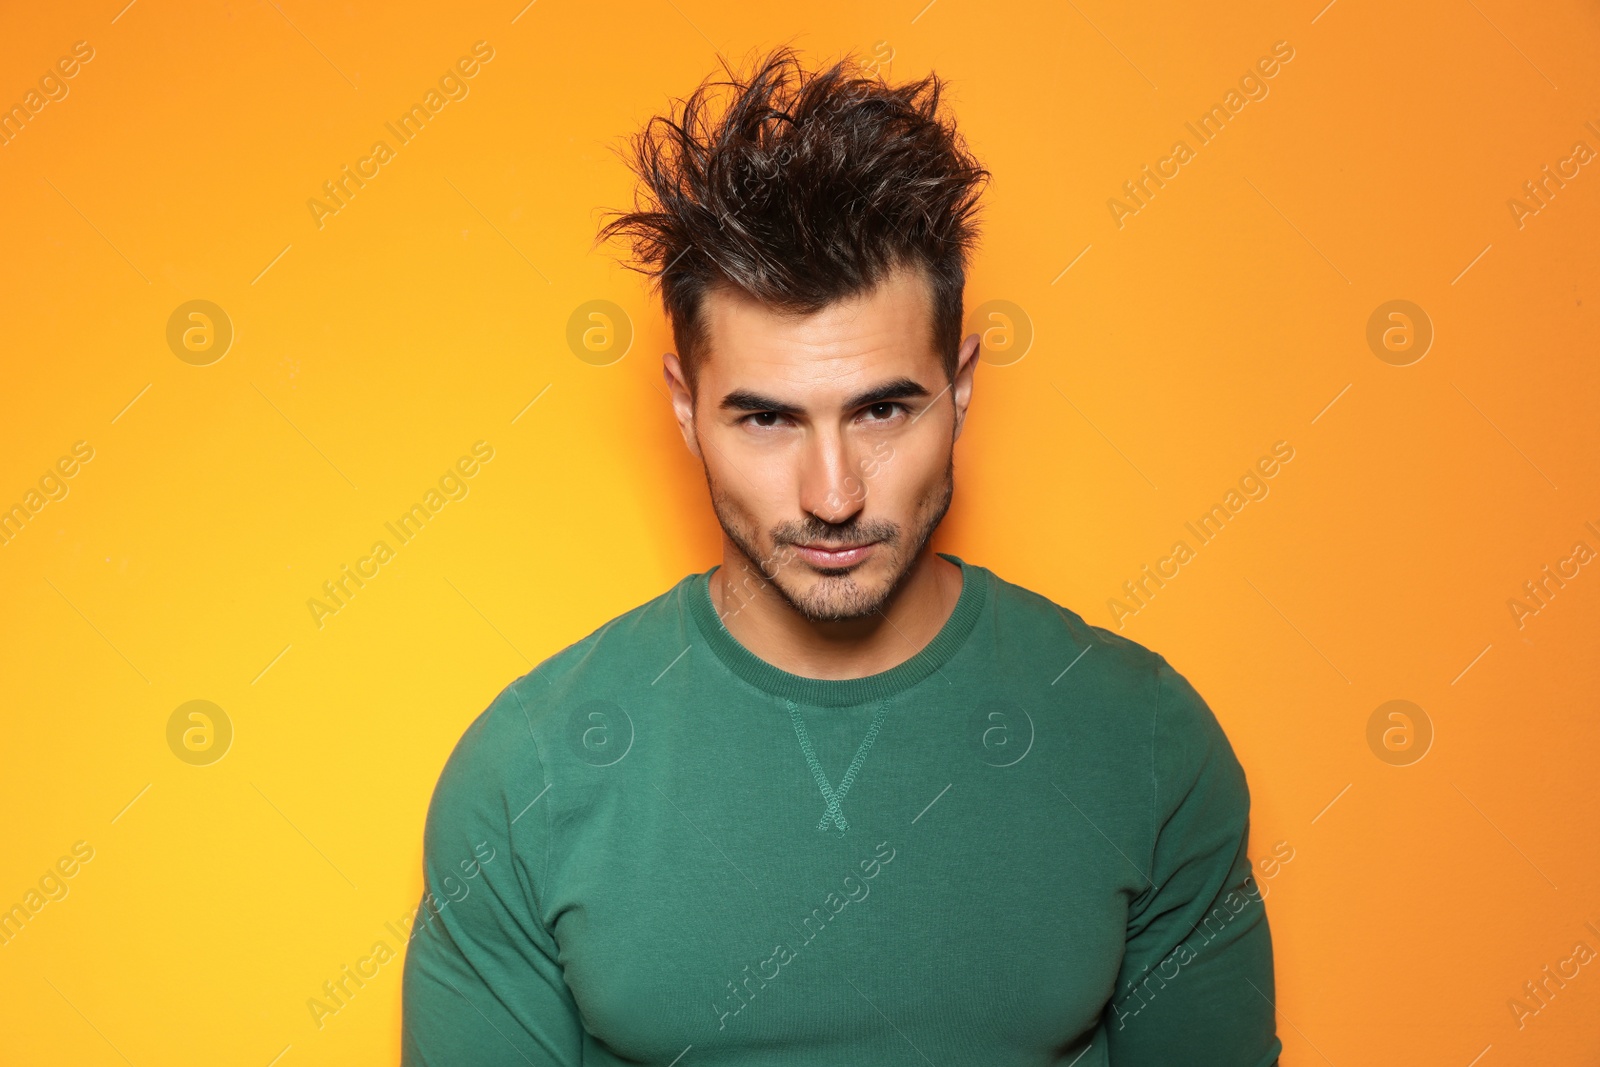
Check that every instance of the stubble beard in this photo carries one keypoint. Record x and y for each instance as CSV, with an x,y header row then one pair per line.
x,y
831,597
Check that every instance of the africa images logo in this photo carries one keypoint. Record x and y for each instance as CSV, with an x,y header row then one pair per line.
x,y
856,890
453,85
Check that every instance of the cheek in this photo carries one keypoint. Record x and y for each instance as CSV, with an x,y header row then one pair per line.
x,y
751,495
916,479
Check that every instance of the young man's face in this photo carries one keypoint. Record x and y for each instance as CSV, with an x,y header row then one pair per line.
x,y
824,432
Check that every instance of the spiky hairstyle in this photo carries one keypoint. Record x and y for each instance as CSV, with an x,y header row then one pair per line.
x,y
806,188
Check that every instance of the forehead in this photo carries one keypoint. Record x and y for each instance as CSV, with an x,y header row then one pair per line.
x,y
885,330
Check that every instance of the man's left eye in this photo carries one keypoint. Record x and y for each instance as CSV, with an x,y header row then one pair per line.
x,y
887,404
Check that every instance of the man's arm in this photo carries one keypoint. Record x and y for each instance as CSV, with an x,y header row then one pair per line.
x,y
1196,983
483,983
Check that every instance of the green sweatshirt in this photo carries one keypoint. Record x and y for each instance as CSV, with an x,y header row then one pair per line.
x,y
1024,845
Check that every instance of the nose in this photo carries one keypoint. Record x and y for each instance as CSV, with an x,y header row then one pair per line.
x,y
830,487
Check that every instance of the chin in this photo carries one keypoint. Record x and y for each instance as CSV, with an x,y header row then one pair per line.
x,y
838,595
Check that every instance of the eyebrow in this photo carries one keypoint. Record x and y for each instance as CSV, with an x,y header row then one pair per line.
x,y
898,389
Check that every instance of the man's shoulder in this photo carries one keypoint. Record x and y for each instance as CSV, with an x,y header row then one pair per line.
x,y
1124,681
1113,667
636,635
584,672
1041,622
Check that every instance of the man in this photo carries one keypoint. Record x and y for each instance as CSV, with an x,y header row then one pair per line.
x,y
839,799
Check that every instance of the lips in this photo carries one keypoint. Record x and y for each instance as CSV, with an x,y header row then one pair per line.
x,y
835,555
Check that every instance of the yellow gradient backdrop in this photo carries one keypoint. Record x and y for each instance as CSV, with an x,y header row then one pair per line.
x,y
1174,342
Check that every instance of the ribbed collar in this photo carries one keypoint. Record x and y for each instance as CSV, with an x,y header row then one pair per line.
x,y
845,692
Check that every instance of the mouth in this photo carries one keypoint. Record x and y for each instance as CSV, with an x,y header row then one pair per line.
x,y
835,555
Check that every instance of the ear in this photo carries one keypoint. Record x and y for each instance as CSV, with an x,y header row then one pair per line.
x,y
682,401
961,388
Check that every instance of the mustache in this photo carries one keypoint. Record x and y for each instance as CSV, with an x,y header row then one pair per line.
x,y
855,534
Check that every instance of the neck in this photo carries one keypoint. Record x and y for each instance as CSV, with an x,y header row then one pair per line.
x,y
764,622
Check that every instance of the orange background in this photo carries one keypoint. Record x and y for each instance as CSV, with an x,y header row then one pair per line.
x,y
1229,313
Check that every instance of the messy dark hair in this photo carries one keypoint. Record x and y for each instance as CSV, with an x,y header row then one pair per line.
x,y
809,187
